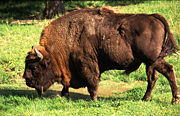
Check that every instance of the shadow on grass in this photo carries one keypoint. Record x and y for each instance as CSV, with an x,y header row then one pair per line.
x,y
130,95
117,99
20,93
32,94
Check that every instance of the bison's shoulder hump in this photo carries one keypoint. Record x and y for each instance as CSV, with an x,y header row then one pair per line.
x,y
105,11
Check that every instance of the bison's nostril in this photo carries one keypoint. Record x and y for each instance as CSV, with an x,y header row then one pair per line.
x,y
28,82
24,76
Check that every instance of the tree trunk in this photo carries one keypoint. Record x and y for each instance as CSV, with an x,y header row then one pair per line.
x,y
53,8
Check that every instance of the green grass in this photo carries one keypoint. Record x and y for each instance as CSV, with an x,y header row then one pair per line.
x,y
118,94
26,102
15,41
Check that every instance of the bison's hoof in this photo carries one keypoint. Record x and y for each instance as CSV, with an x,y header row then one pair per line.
x,y
95,98
146,98
66,95
176,100
57,95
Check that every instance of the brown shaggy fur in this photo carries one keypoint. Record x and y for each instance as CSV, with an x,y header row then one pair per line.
x,y
79,46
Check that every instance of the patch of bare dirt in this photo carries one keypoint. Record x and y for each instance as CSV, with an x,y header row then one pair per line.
x,y
106,89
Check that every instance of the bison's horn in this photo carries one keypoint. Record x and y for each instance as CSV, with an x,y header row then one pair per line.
x,y
38,53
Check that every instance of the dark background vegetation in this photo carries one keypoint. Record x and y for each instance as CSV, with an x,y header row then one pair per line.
x,y
30,9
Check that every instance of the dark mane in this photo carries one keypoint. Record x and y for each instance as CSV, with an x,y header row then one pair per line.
x,y
105,11
92,11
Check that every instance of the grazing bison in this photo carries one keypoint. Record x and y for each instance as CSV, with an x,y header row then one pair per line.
x,y
77,47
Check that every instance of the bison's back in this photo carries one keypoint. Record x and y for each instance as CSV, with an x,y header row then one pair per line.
x,y
114,40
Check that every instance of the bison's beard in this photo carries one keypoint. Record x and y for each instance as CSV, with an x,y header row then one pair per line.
x,y
42,81
39,88
43,88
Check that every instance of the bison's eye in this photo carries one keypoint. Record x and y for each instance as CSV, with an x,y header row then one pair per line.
x,y
34,68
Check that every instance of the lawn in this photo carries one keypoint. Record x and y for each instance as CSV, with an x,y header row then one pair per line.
x,y
118,94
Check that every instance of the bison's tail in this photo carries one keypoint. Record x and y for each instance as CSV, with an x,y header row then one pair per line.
x,y
169,45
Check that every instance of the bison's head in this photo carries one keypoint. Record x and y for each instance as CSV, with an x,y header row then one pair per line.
x,y
38,72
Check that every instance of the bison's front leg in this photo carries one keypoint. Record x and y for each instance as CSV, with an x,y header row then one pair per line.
x,y
93,90
91,74
65,92
40,92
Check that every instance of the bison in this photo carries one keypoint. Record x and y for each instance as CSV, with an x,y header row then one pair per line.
x,y
77,47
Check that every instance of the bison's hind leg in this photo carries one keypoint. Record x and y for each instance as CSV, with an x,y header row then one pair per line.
x,y
152,78
133,66
168,71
